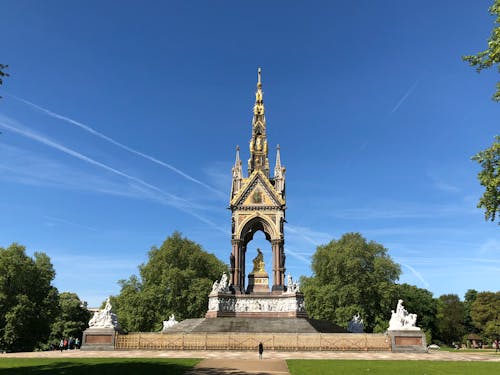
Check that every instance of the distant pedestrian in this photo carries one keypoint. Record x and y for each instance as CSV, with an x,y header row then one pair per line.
x,y
65,344
61,345
261,350
497,346
77,343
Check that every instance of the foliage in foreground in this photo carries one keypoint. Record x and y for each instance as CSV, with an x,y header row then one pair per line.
x,y
89,366
491,56
489,177
176,280
351,276
28,301
346,367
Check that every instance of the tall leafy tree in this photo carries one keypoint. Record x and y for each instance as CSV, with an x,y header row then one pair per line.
x,y
491,56
451,318
28,301
176,280
489,177
469,298
485,313
351,275
72,319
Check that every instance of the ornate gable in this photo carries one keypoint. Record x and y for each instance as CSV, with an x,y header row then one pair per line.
x,y
257,192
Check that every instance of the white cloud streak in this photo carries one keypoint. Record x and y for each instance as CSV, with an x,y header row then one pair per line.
x,y
166,198
405,96
116,143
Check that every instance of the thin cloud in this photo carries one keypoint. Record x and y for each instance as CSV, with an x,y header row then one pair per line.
x,y
116,143
417,274
405,96
166,198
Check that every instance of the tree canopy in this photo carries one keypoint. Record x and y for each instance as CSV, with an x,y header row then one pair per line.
x,y
28,301
176,279
489,177
351,276
451,318
485,313
491,56
72,319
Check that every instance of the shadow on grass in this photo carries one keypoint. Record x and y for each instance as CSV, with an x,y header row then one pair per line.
x,y
107,366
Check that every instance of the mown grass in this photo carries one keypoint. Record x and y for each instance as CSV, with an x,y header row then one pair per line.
x,y
91,366
350,367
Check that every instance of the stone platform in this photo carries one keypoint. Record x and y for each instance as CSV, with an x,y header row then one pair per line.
x,y
249,325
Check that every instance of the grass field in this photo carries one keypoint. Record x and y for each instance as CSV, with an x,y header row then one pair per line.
x,y
91,366
346,367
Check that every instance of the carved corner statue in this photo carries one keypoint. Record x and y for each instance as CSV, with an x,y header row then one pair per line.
x,y
402,320
221,286
169,323
292,286
258,262
356,324
105,318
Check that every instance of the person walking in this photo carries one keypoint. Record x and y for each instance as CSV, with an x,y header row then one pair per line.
x,y
61,345
261,350
497,346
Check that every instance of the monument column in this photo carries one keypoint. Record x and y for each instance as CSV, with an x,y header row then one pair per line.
x,y
278,266
236,264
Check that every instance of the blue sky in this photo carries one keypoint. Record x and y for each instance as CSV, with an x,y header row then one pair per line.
x,y
120,121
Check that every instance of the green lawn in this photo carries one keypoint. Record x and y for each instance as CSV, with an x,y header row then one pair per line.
x,y
91,366
346,367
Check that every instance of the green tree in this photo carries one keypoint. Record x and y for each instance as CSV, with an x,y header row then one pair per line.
x,y
489,177
421,302
450,318
72,319
485,313
28,301
176,280
469,298
351,275
491,56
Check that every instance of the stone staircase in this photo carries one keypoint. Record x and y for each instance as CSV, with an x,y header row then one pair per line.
x,y
260,325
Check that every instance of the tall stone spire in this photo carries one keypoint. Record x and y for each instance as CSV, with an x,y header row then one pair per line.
x,y
237,174
258,142
279,174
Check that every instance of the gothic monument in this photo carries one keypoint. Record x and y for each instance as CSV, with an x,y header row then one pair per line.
x,y
257,202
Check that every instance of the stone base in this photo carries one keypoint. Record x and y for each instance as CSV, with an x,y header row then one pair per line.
x,y
99,339
258,282
263,305
408,341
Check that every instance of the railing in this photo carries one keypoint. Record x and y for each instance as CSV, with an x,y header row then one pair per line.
x,y
250,341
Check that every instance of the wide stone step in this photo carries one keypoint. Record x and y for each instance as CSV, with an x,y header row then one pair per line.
x,y
261,325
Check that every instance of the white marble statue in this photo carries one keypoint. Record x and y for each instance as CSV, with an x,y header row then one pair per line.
x,y
104,318
169,323
356,324
292,286
221,286
401,320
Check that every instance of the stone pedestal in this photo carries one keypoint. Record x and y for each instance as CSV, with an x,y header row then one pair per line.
x,y
99,339
408,341
258,282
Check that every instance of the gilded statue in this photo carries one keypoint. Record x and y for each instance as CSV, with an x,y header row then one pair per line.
x,y
258,262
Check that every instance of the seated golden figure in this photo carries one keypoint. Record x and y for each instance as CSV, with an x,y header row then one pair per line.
x,y
258,262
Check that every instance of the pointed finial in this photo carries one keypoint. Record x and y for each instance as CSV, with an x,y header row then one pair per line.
x,y
237,155
259,74
278,161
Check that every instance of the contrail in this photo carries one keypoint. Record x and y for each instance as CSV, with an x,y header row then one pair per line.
x,y
116,143
405,96
417,275
175,201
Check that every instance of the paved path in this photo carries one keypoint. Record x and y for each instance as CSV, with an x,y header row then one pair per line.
x,y
246,355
